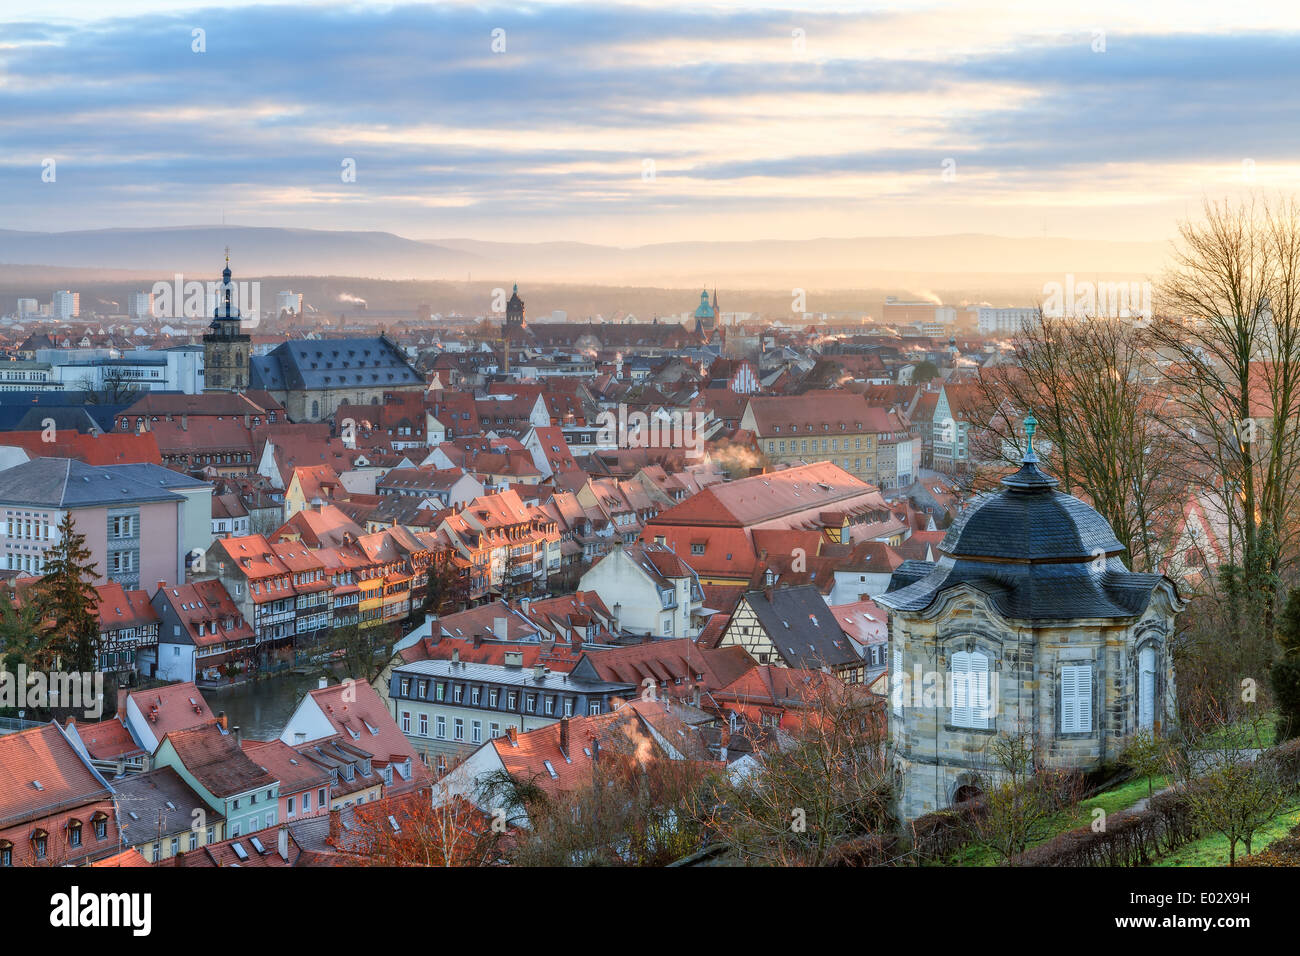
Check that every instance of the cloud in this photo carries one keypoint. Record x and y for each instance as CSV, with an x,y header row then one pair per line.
x,y
553,137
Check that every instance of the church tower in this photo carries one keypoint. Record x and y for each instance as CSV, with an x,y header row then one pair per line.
x,y
706,315
513,329
225,347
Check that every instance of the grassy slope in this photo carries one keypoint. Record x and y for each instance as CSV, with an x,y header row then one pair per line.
x,y
1212,850
1111,801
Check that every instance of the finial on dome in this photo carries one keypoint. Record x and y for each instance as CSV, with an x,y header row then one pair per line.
x,y
1029,478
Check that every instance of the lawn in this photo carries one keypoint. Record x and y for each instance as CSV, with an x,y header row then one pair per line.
x,y
1212,850
1111,801
1248,734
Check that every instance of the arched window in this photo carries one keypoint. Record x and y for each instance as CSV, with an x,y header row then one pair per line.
x,y
315,409
970,689
1146,688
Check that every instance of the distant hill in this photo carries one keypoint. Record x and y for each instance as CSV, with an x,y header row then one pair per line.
x,y
914,265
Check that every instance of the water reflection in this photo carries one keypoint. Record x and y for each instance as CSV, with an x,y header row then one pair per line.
x,y
261,708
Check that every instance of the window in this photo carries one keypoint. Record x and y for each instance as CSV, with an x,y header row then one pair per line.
x,y
194,840
568,707
550,706
1146,715
474,695
511,699
74,833
970,689
1076,699
896,681
211,835
456,693
288,806
320,797
440,727
697,549
176,845
101,829
494,730
492,697
458,728
593,708
424,725
406,721
532,703
306,803
476,730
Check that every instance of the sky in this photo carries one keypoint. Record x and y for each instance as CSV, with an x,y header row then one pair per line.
x,y
628,123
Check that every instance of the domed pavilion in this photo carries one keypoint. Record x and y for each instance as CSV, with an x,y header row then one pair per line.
x,y
1029,624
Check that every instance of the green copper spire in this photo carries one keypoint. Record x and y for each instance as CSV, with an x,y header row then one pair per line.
x,y
1031,426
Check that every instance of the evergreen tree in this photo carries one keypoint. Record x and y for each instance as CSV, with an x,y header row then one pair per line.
x,y
1285,673
66,595
21,639
445,592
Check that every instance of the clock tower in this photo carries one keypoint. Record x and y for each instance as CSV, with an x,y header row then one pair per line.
x,y
225,346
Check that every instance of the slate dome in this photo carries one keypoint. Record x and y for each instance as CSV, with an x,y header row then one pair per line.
x,y
1030,521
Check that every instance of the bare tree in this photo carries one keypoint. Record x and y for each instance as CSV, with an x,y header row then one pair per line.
x,y
1021,797
819,789
1086,381
1226,788
1231,337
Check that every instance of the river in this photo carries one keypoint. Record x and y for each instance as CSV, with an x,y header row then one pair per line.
x,y
261,708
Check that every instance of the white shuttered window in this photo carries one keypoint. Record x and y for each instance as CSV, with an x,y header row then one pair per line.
x,y
1076,699
970,689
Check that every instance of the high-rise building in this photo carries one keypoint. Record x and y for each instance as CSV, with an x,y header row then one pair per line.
x,y
1010,321
292,302
139,305
65,304
28,307
225,346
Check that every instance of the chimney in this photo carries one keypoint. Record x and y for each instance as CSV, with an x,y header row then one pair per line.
x,y
322,683
335,829
767,593
185,423
223,720
500,627
595,750
121,702
512,735
478,641
234,732
564,737
538,670
162,585
455,655
284,842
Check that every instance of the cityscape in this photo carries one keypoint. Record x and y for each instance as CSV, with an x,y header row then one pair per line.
x,y
649,437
